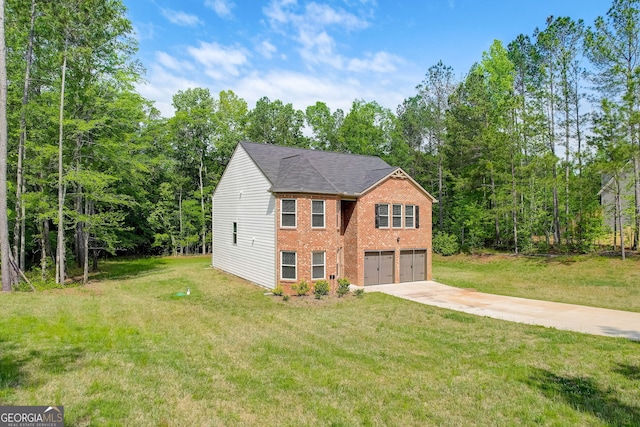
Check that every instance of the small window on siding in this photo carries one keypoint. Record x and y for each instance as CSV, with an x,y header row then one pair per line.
x,y
382,216
409,215
235,233
317,213
317,265
288,213
397,216
288,265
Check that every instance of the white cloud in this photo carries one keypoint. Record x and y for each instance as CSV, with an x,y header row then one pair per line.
x,y
219,61
162,85
381,62
168,61
266,49
310,28
222,7
144,31
181,18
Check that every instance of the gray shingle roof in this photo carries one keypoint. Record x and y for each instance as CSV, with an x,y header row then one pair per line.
x,y
293,169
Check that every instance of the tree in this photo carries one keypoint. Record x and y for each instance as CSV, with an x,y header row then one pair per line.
x,y
276,123
5,248
613,46
324,125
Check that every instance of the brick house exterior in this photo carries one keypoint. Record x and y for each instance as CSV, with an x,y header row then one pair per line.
x,y
331,215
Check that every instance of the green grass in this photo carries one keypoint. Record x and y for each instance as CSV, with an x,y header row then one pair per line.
x,y
129,352
587,280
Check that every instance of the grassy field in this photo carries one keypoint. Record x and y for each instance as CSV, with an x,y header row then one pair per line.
x,y
127,351
587,280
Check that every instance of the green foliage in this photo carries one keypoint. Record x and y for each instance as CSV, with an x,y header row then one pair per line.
x,y
285,298
343,287
278,290
321,288
359,293
301,288
445,244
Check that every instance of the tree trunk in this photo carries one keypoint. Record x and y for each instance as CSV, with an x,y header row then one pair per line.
x,y
44,248
514,211
202,207
19,228
5,247
619,211
181,237
60,253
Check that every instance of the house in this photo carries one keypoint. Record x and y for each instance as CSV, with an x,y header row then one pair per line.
x,y
608,195
284,214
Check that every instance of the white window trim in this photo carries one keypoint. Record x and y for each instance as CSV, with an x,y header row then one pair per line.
x,y
234,235
413,215
324,214
388,216
294,213
393,216
295,266
324,265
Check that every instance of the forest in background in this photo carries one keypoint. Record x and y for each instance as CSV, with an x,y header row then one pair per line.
x,y
516,151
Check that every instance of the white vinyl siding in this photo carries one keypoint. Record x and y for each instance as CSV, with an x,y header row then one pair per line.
x,y
317,213
243,197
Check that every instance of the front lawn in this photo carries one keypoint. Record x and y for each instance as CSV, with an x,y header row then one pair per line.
x,y
130,351
596,281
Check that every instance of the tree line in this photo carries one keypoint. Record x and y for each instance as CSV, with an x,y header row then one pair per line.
x,y
515,151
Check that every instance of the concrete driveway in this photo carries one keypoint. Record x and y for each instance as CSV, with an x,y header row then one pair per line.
x,y
589,320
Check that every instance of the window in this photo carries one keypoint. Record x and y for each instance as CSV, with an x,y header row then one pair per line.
x,y
397,216
288,265
317,265
317,213
288,213
235,233
382,216
411,216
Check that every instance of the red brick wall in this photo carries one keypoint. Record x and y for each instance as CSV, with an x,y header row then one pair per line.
x,y
398,191
304,239
356,235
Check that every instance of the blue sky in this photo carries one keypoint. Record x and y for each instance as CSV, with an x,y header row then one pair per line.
x,y
332,51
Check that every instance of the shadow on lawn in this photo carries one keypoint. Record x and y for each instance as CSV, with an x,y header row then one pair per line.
x,y
630,371
583,394
21,368
124,268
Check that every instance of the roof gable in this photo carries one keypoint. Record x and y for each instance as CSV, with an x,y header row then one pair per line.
x,y
292,169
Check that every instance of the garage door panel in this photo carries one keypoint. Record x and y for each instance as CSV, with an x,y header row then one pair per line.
x,y
386,267
413,265
379,267
419,265
406,266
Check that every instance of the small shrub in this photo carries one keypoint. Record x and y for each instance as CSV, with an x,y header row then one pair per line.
x,y
445,244
278,291
285,298
321,288
301,288
359,292
343,287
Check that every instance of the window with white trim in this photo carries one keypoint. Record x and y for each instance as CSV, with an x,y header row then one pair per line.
x,y
409,215
397,216
288,213
288,265
382,216
235,233
318,265
317,213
